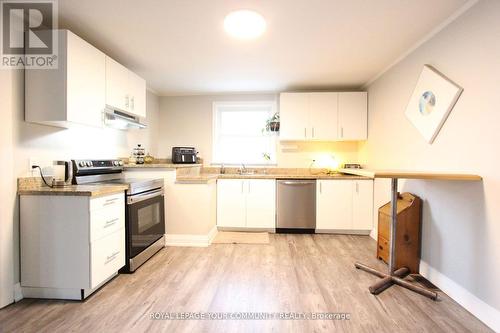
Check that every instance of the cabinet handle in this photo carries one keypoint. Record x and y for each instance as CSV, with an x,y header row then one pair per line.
x,y
112,257
313,132
126,101
305,133
132,102
111,222
357,187
320,187
110,201
341,132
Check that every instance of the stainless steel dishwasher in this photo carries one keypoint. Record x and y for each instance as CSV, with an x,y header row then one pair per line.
x,y
296,205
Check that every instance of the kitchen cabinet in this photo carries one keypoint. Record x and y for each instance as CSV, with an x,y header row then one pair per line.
x,y
125,90
353,116
72,94
362,205
323,116
70,245
246,203
294,116
344,206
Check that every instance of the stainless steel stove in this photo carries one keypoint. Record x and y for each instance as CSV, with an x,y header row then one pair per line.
x,y
145,207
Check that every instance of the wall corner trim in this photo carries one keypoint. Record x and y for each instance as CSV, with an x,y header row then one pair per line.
x,y
466,6
18,293
483,311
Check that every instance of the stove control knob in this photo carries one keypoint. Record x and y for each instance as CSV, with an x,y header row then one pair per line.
x,y
88,164
120,163
91,163
115,163
82,164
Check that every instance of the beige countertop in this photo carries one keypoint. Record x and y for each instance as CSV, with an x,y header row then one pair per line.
x,y
34,186
207,177
160,165
408,174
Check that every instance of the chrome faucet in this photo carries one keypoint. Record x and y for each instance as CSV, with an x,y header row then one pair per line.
x,y
243,169
222,169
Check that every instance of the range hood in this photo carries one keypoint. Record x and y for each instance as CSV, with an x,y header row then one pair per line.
x,y
121,120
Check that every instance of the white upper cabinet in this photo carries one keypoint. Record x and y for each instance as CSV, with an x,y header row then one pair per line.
x,y
137,87
74,93
294,116
125,90
353,116
117,85
323,116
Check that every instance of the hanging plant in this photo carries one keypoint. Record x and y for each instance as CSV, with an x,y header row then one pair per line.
x,y
273,123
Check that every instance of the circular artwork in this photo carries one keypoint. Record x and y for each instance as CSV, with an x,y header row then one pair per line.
x,y
426,103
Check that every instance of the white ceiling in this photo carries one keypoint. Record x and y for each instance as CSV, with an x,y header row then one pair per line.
x,y
180,48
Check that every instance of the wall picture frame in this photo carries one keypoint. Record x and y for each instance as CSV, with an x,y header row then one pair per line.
x,y
432,100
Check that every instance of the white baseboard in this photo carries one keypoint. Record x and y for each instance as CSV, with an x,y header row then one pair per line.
x,y
18,292
483,311
191,240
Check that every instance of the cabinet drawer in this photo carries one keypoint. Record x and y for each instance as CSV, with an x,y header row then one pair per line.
x,y
106,221
108,201
383,249
107,257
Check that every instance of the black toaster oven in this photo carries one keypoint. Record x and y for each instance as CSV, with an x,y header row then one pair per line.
x,y
183,155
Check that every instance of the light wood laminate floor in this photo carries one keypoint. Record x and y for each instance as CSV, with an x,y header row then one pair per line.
x,y
294,273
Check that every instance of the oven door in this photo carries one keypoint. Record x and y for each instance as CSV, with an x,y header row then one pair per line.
x,y
145,220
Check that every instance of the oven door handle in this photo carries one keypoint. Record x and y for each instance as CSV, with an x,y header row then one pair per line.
x,y
144,196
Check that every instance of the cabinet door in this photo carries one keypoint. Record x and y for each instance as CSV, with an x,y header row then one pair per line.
x,y
261,203
323,116
117,88
353,116
137,92
334,205
85,79
231,210
362,207
294,116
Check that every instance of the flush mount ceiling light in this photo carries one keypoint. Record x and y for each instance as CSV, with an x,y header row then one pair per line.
x,y
244,24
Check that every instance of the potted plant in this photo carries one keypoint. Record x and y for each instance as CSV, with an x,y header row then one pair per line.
x,y
273,123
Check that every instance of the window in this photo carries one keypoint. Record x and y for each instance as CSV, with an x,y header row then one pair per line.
x,y
239,135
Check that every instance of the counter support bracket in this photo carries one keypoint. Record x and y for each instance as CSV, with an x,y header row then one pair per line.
x,y
394,276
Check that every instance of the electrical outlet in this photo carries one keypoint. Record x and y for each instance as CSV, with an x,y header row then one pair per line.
x,y
34,172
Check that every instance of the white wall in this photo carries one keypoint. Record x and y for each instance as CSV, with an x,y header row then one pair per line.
x,y
187,121
21,141
7,185
461,226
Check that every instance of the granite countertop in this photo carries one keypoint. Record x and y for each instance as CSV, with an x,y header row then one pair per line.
x,y
291,176
34,186
160,165
204,178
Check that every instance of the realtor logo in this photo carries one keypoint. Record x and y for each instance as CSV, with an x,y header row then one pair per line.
x,y
28,36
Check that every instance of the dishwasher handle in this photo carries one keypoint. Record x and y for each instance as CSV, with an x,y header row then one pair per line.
x,y
298,182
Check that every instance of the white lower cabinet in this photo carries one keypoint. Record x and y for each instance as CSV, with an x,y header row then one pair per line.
x,y
246,203
344,206
70,245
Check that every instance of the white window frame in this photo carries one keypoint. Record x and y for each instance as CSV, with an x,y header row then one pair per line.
x,y
217,104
